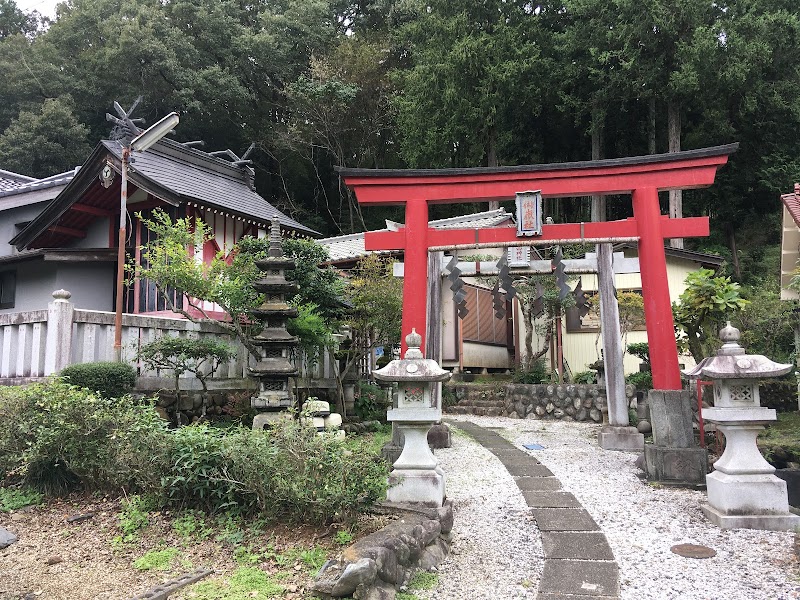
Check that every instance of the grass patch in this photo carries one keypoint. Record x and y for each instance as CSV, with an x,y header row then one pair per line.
x,y
191,526
780,441
133,517
245,583
156,560
343,537
423,580
16,498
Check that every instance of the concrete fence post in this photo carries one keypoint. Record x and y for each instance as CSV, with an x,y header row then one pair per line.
x,y
58,347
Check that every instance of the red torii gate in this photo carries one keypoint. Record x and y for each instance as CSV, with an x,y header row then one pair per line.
x,y
642,177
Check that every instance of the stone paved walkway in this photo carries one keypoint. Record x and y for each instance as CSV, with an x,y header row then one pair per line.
x,y
579,563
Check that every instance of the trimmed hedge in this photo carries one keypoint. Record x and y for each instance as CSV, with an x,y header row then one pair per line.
x,y
109,379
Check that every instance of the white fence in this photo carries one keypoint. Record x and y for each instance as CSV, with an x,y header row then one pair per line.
x,y
39,343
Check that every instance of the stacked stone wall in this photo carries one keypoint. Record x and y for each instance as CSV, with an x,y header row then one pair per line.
x,y
565,402
376,566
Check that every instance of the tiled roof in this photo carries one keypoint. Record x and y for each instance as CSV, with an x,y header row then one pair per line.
x,y
792,203
11,181
61,179
196,176
349,247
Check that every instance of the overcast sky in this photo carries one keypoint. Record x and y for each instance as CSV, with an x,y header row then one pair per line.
x,y
45,7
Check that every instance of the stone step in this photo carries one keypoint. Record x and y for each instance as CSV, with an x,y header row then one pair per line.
x,y
485,403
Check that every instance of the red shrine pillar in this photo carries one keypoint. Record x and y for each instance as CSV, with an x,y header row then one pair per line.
x,y
415,277
655,289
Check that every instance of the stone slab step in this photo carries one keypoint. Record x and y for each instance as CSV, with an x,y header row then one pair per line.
x,y
564,519
584,545
580,577
526,468
538,484
551,500
498,402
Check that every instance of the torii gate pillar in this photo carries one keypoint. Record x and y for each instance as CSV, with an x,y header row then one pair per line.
x,y
642,177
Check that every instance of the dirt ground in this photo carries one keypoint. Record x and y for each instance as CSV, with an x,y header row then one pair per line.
x,y
56,559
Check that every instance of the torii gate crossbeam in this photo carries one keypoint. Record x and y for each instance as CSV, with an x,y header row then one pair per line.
x,y
643,177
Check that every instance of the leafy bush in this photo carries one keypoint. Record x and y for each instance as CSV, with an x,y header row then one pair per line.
x,y
585,377
537,373
291,472
643,380
201,356
109,379
370,402
56,436
640,350
780,394
448,397
197,476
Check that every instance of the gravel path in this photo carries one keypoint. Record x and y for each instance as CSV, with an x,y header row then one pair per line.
x,y
497,549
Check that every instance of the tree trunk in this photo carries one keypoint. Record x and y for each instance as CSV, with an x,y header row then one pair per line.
x,y
675,196
598,202
737,271
651,130
491,159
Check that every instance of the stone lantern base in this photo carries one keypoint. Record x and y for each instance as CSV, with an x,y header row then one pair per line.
x,y
416,475
426,487
748,502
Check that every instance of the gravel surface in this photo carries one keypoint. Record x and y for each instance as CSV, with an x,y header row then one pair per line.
x,y
641,523
496,550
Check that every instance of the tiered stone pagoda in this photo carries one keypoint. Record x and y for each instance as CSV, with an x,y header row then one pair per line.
x,y
275,366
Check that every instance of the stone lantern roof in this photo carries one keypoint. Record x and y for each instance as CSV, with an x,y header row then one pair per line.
x,y
413,367
731,361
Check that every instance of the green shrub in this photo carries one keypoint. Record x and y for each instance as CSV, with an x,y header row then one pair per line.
x,y
640,350
585,377
56,436
643,380
292,473
370,402
448,397
109,379
536,373
197,475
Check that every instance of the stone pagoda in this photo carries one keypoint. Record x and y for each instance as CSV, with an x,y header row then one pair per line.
x,y
274,367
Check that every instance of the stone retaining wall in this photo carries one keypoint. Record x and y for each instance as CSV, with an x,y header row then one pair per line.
x,y
567,402
377,565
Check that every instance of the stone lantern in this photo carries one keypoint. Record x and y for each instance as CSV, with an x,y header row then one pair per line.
x,y
742,491
416,475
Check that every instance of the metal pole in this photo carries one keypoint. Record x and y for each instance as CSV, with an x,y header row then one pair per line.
x,y
123,217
